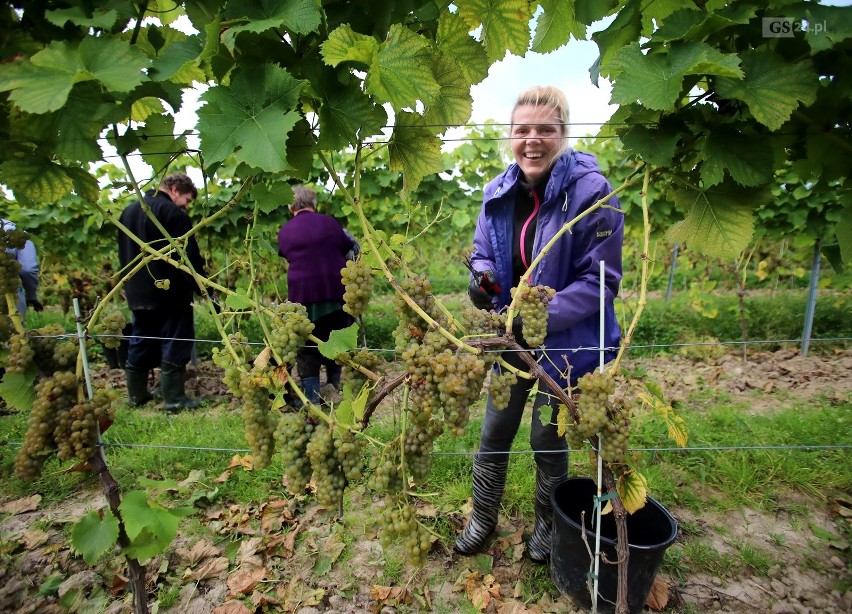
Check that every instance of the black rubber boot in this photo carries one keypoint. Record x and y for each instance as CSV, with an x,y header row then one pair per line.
x,y
538,547
137,387
311,388
172,382
489,481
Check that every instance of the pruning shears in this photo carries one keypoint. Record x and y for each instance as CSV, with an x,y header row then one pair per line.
x,y
483,280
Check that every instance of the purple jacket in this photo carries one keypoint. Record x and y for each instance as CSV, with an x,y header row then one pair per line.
x,y
571,267
315,247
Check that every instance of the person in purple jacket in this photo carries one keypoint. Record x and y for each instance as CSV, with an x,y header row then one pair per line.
x,y
548,185
315,247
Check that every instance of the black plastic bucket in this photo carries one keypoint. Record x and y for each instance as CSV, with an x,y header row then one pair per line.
x,y
649,532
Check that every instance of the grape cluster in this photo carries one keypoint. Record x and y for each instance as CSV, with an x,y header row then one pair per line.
x,y
399,524
20,354
111,329
224,359
336,460
419,289
289,330
77,427
500,387
292,435
601,414
52,349
357,279
363,357
54,395
481,323
386,470
532,307
460,376
257,416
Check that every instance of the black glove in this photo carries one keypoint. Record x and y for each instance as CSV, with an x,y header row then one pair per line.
x,y
35,304
518,331
482,289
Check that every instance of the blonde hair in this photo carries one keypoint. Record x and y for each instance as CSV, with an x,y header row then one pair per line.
x,y
303,198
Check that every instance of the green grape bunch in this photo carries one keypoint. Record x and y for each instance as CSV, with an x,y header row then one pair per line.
x,y
292,435
500,387
399,524
357,280
601,414
289,330
532,307
110,328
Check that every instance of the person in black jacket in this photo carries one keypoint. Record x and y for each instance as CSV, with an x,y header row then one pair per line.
x,y
160,295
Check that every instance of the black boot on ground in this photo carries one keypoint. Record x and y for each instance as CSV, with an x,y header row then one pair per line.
x,y
489,481
172,383
137,387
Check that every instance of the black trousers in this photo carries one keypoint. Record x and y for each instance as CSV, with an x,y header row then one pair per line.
x,y
173,332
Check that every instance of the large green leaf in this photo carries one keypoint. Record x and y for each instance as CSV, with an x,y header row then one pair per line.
x,y
339,341
623,30
843,232
453,105
295,16
36,180
159,145
250,118
772,88
455,42
414,151
657,79
747,158
632,488
17,389
505,25
345,45
401,72
555,26
42,83
347,115
719,220
94,534
177,61
270,198
150,528
654,145
103,18
696,25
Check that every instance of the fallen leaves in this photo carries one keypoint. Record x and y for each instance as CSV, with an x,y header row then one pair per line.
x,y
658,598
389,595
211,569
480,589
20,506
244,581
201,550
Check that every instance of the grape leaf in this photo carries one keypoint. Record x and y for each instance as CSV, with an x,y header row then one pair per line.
x,y
339,341
505,25
150,528
453,104
414,151
656,80
239,301
719,221
85,185
143,108
17,389
623,30
36,180
747,158
100,18
555,26
772,88
632,488
401,71
347,115
295,16
269,198
345,45
173,61
94,534
159,145
250,118
655,146
455,42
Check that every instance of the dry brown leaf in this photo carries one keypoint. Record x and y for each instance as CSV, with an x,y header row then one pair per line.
x,y
280,374
223,477
244,581
211,569
202,549
34,538
263,358
247,554
276,514
19,506
258,599
510,540
481,590
300,594
242,461
658,598
232,607
512,607
119,584
427,510
79,466
394,594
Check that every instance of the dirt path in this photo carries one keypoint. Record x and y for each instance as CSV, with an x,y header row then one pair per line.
x,y
290,559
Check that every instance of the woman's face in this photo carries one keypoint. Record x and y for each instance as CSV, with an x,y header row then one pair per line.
x,y
536,139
